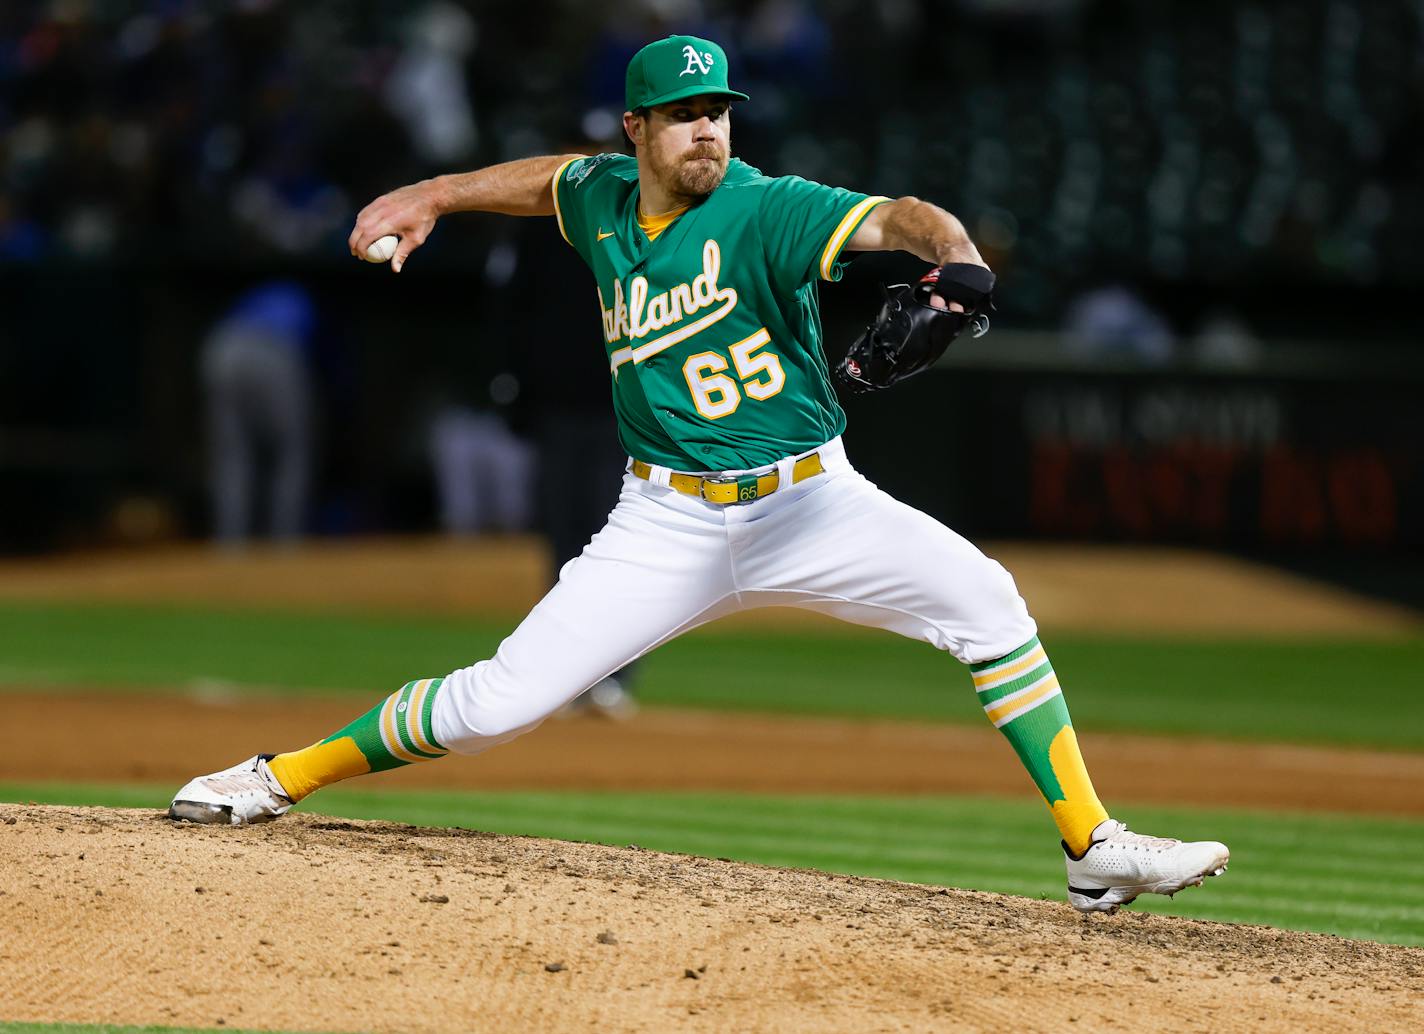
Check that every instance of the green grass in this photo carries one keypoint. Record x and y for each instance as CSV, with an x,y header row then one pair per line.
x,y
1306,690
1355,877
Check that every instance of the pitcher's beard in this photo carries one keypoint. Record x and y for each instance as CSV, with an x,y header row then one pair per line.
x,y
699,178
691,181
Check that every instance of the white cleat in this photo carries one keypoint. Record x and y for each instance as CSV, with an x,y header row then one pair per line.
x,y
1121,864
236,796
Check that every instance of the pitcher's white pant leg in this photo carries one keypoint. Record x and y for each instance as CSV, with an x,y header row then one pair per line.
x,y
847,549
660,565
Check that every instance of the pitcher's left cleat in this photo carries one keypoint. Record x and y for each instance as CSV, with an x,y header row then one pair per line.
x,y
236,796
1120,864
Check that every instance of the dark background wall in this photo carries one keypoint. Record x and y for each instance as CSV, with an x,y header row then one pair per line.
x,y
1252,165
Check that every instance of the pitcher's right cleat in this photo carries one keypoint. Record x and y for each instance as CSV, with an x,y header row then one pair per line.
x,y
1120,864
236,796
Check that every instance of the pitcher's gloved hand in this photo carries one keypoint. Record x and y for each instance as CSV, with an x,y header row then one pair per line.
x,y
911,331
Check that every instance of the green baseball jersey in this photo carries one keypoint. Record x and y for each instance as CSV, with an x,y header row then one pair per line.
x,y
713,330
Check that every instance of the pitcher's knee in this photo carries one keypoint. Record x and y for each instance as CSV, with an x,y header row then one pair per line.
x,y
1004,620
478,709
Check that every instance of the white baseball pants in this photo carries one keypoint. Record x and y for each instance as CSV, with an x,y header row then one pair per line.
x,y
666,563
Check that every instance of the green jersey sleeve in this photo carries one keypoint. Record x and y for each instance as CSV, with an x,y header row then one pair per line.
x,y
581,197
805,226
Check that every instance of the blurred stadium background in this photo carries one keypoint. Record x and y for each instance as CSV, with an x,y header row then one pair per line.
x,y
1206,357
1204,216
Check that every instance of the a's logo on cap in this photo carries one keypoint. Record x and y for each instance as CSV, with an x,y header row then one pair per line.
x,y
696,63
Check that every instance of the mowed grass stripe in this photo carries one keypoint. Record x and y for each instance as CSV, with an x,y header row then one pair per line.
x,y
936,827
1235,688
1005,845
155,646
930,841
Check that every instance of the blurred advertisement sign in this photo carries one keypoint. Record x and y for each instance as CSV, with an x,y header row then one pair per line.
x,y
1280,465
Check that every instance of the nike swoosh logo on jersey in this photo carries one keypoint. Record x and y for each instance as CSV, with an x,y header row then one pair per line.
x,y
602,235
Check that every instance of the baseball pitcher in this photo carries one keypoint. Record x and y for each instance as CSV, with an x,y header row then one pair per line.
x,y
738,491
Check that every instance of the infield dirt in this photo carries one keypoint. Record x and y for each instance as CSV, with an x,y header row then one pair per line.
x,y
119,916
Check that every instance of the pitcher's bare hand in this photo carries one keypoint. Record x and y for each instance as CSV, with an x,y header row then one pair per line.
x,y
408,213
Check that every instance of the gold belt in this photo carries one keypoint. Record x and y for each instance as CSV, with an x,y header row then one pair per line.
x,y
725,491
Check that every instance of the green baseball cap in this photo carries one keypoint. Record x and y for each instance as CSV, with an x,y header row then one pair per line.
x,y
674,68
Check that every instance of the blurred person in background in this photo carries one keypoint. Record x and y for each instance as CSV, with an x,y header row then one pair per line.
x,y
254,366
1114,322
1224,340
427,89
483,470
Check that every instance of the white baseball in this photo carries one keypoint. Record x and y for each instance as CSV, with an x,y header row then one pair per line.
x,y
383,249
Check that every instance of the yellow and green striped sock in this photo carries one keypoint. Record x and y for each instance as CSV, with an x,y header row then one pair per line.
x,y
1021,696
395,732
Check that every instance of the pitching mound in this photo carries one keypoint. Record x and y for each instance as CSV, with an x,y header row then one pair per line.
x,y
323,924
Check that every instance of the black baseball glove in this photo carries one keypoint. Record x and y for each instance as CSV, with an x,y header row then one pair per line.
x,y
909,333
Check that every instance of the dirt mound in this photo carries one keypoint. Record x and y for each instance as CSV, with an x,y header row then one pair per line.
x,y
321,924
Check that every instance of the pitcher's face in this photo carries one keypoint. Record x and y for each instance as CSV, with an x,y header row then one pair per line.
x,y
685,144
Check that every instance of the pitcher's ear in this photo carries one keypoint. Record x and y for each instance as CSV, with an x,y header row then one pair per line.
x,y
633,124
